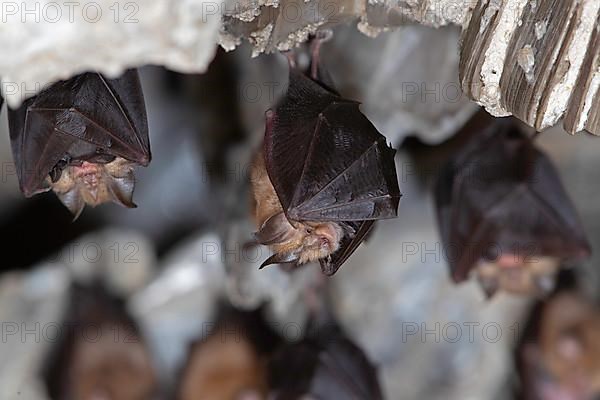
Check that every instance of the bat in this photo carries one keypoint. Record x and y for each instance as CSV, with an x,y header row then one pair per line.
x,y
325,366
560,360
322,178
82,138
231,362
100,354
224,368
503,213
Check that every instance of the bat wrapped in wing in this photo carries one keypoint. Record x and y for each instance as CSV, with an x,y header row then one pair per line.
x,y
101,354
503,212
325,366
81,138
230,362
324,175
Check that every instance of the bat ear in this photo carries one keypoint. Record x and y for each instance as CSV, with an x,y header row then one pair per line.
x,y
280,258
276,229
122,191
73,201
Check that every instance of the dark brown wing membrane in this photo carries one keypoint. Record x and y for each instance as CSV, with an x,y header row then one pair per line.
x,y
83,118
347,247
502,195
326,161
327,367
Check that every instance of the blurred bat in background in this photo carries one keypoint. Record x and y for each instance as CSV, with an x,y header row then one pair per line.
x,y
560,360
231,362
325,366
503,212
101,354
324,175
81,138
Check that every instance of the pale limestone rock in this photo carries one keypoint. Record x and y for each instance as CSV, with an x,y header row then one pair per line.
x,y
56,41
535,60
32,311
403,89
176,307
283,25
385,15
123,260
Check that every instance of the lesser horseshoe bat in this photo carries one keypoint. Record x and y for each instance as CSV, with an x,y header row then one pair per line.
x,y
503,212
322,178
81,138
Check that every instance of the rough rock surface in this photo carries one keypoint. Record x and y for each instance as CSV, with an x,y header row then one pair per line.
x,y
44,41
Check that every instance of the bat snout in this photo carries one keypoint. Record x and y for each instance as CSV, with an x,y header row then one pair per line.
x,y
329,236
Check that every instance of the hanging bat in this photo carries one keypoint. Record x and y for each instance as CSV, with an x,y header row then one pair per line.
x,y
324,175
81,138
231,362
503,212
325,366
560,360
101,354
224,368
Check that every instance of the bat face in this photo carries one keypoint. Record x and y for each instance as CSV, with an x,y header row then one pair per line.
x,y
106,369
81,138
94,184
562,360
297,242
518,275
113,364
325,175
303,241
224,368
500,199
231,362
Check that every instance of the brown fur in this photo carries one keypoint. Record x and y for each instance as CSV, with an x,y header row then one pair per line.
x,y
307,240
94,184
516,275
114,367
224,368
266,203
570,343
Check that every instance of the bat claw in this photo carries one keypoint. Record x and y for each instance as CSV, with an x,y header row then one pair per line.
x,y
265,264
280,258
